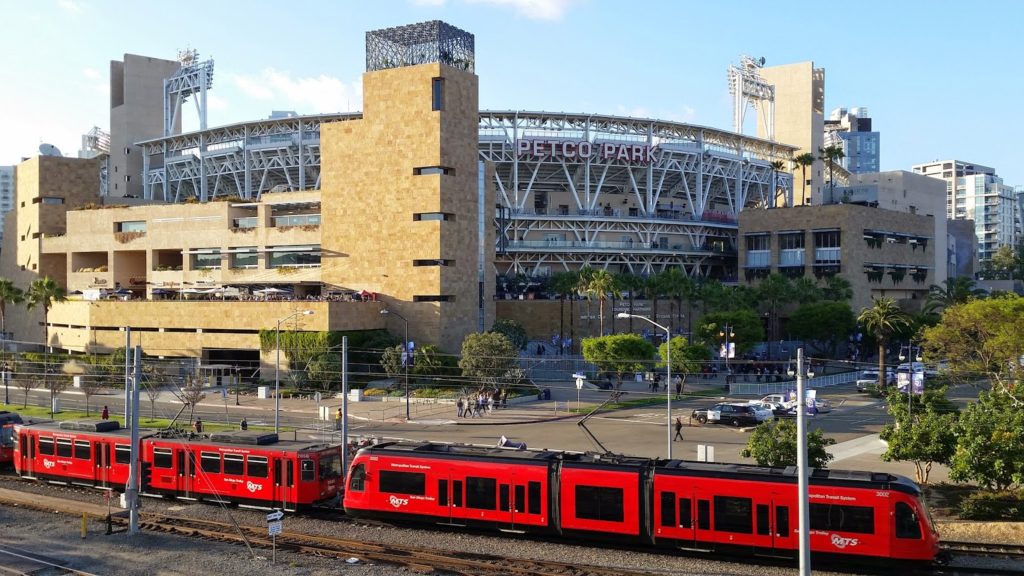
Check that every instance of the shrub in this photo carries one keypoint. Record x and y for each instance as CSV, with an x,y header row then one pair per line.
x,y
1007,506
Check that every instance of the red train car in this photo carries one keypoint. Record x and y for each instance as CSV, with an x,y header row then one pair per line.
x,y
672,504
248,468
7,421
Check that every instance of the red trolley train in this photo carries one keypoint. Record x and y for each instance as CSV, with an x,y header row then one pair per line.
x,y
243,467
7,421
677,504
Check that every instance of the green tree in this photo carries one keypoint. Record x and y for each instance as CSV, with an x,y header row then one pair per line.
x,y
990,443
9,294
837,288
655,288
391,360
582,285
618,354
599,284
956,290
824,324
773,292
324,370
831,155
717,297
744,323
488,356
805,291
981,338
43,292
882,320
1005,262
677,286
925,435
774,444
430,362
687,358
803,161
629,283
512,330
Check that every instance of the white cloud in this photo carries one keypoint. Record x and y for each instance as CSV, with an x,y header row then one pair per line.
x,y
91,73
315,94
70,6
534,9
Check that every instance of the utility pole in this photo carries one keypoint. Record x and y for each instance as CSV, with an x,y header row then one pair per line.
x,y
132,491
344,411
802,468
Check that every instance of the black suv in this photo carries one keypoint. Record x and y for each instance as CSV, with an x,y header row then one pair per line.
x,y
734,414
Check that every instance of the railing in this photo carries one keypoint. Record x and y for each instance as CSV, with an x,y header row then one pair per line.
x,y
661,214
758,258
826,255
791,257
297,220
762,388
250,222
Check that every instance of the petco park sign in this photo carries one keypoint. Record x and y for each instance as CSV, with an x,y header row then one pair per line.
x,y
584,150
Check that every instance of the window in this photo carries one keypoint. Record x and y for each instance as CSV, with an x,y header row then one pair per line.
x,y
433,298
428,170
759,242
162,458
827,246
294,257
296,220
520,498
437,94
245,257
734,514
907,525
357,478
206,259
330,466
46,446
434,262
51,200
122,454
480,493
64,448
210,462
83,451
856,519
258,466
782,521
403,482
668,509
429,216
758,251
130,226
442,492
685,513
703,515
246,223
763,527
234,464
599,503
307,470
533,497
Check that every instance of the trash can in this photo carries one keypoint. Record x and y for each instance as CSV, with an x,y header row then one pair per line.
x,y
547,393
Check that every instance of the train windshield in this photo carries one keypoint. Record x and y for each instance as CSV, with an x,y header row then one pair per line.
x,y
330,466
7,436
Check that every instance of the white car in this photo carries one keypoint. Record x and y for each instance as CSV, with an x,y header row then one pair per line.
x,y
775,402
869,378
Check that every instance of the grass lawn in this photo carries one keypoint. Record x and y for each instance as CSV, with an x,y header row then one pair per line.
x,y
652,401
40,413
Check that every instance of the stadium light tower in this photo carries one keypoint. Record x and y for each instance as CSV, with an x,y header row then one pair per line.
x,y
749,89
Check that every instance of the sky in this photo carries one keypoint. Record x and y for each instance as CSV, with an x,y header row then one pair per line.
x,y
936,76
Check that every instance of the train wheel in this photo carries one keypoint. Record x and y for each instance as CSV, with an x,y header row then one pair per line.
x,y
703,419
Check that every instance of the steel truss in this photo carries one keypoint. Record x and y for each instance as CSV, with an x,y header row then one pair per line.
x,y
432,41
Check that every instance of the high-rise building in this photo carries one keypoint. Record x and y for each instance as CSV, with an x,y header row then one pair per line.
x,y
851,129
6,194
975,192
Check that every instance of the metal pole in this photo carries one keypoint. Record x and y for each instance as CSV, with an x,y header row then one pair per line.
x,y
801,462
406,363
668,392
277,380
127,375
133,481
344,410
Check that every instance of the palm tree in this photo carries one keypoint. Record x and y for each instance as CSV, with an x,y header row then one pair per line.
x,y
582,284
564,284
956,290
777,166
803,161
831,154
44,292
655,289
837,288
629,283
9,294
882,320
599,285
774,290
675,286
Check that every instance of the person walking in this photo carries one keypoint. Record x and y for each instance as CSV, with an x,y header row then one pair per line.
x,y
460,405
337,419
105,414
198,425
244,424
678,381
679,429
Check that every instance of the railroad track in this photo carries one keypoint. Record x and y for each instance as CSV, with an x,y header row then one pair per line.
x,y
1008,551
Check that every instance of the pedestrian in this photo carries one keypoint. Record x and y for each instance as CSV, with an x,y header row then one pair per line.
x,y
244,424
679,386
679,429
460,405
197,426
105,414
337,419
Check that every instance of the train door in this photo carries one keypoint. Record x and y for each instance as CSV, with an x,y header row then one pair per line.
x,y
506,511
449,499
703,532
102,462
781,529
284,481
27,453
186,471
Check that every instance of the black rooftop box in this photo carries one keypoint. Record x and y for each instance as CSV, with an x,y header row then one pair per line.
x,y
91,425
250,437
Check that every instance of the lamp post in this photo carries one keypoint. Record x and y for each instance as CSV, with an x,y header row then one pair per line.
x,y
405,357
727,333
668,376
238,383
277,368
801,462
910,383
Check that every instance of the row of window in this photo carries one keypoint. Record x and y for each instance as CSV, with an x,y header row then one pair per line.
x,y
793,240
479,493
248,257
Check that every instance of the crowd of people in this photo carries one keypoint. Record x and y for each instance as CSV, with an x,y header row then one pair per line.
x,y
481,404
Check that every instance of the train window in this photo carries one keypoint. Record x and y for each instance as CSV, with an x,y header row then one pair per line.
x,y
481,493
533,497
209,462
685,513
907,525
734,514
599,503
442,492
330,466
357,478
457,493
162,458
520,498
703,515
234,464
46,446
856,519
258,466
122,454
782,521
83,449
668,509
307,471
763,520
403,482
503,495
64,448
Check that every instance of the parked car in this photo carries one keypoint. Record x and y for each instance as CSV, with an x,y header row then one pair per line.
x,y
732,414
775,402
869,378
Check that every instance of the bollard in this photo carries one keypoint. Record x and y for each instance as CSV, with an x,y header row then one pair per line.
x,y
85,525
110,525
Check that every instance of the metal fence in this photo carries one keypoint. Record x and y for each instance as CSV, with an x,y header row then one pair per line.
x,y
762,388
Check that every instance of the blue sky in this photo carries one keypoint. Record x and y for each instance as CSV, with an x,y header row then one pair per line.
x,y
939,78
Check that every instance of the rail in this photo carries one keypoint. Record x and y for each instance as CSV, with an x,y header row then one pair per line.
x,y
762,388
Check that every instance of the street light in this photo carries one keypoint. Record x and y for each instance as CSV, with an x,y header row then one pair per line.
x,y
277,368
727,333
801,461
405,358
910,383
668,375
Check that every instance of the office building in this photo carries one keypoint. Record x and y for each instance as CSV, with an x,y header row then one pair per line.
x,y
851,130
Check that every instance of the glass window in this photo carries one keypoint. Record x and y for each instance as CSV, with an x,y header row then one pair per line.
x,y
437,94
56,200
763,527
234,464
907,525
209,259
480,493
668,509
307,470
734,514
330,466
703,515
162,458
122,454
520,498
759,242
210,462
442,492
791,241
782,521
258,466
357,478
83,450
412,483
856,519
244,257
64,448
46,446
130,226
427,216
685,513
533,497
310,258
599,503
